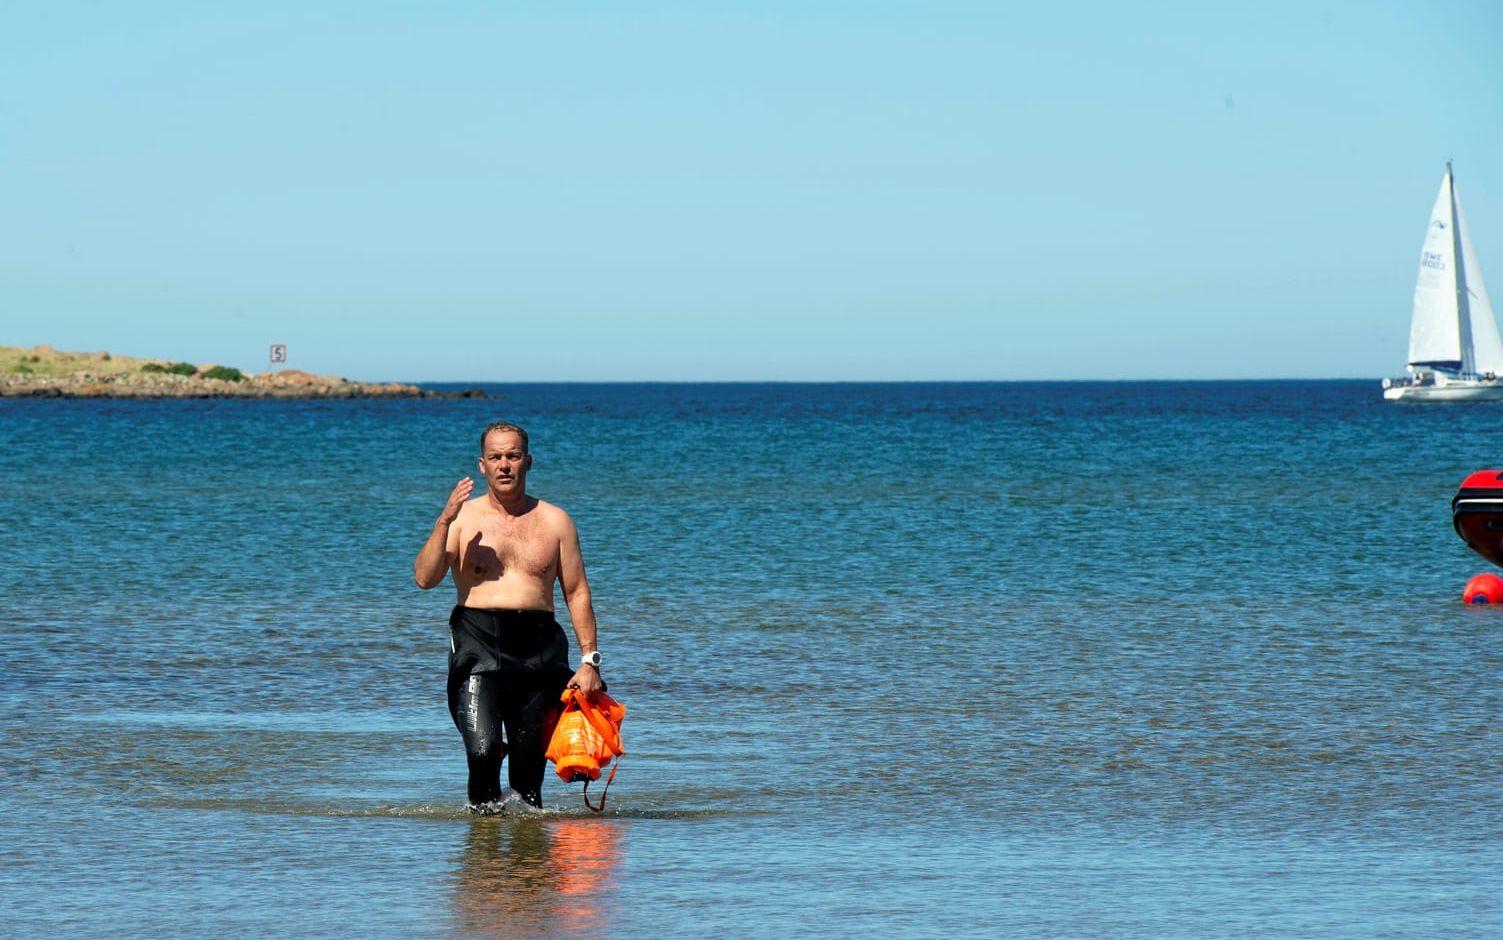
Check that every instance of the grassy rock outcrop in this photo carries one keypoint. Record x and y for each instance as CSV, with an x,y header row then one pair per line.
x,y
46,372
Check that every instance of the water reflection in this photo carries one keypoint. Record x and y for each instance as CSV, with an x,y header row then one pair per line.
x,y
528,876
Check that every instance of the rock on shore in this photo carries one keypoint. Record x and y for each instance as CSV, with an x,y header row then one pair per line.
x,y
42,371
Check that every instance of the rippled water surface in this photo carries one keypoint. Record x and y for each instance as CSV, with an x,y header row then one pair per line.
x,y
1094,660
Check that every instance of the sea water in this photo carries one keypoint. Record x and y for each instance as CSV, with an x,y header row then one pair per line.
x,y
1086,660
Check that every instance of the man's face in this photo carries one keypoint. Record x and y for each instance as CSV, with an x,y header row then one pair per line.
x,y
504,463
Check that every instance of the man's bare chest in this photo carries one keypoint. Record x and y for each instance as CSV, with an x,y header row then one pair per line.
x,y
490,549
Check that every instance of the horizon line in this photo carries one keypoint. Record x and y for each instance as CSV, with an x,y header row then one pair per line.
x,y
1207,381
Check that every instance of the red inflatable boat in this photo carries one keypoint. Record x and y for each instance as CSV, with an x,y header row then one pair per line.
x,y
1477,513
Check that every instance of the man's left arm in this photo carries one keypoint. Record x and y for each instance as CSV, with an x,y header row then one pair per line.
x,y
571,576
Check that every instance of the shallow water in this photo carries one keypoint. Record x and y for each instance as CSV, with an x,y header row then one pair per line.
x,y
1097,659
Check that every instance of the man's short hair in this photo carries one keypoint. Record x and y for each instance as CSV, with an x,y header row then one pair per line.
x,y
503,426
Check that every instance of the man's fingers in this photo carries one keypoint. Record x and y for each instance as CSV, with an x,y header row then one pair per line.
x,y
456,498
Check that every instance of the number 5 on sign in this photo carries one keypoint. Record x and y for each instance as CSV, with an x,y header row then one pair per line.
x,y
278,353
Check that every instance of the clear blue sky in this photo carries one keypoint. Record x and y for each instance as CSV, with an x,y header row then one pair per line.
x,y
769,190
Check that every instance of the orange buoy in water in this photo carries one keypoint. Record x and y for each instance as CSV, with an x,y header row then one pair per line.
x,y
586,738
1483,589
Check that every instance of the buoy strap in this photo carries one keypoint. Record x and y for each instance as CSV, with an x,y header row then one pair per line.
x,y
586,794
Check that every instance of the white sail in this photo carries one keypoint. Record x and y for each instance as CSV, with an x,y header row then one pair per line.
x,y
1434,334
1487,348
1455,353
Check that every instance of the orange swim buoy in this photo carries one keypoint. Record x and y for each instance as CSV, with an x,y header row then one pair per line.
x,y
586,738
1485,588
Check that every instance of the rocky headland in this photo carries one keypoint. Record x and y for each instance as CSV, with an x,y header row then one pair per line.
x,y
42,371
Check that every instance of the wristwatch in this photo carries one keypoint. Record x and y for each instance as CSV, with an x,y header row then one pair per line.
x,y
591,659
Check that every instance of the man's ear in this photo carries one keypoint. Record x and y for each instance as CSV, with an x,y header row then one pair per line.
x,y
529,462
480,462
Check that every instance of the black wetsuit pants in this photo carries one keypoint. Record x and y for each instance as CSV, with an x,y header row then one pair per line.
x,y
507,669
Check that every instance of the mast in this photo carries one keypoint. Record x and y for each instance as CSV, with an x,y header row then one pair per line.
x,y
1463,308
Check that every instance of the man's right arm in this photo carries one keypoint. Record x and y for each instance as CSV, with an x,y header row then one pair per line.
x,y
436,555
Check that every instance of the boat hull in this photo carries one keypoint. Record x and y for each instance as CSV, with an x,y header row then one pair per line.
x,y
1456,391
1477,514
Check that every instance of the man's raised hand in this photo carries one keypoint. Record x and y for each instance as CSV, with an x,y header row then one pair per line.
x,y
456,499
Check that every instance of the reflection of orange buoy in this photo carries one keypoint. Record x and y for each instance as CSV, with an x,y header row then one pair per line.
x,y
588,852
586,738
586,857
1483,589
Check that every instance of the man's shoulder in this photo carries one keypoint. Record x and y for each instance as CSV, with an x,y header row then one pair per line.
x,y
471,507
552,514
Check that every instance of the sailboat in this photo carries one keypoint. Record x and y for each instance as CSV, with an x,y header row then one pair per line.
x,y
1454,350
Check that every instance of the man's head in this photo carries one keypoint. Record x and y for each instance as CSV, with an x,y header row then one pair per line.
x,y
503,426
504,459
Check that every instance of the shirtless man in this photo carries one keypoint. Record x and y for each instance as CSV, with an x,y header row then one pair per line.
x,y
508,657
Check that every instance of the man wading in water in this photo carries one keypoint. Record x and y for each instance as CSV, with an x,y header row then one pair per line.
x,y
509,659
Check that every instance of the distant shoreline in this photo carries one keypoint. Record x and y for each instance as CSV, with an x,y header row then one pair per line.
x,y
45,372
